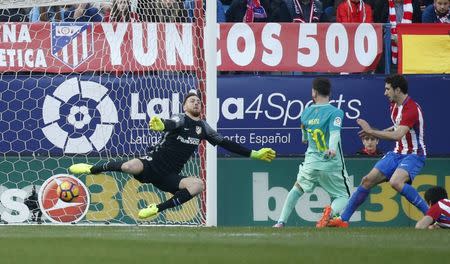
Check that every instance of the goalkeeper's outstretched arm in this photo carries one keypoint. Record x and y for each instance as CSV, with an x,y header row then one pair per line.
x,y
266,154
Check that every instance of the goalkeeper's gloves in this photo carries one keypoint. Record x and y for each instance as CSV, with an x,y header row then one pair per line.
x,y
266,154
156,124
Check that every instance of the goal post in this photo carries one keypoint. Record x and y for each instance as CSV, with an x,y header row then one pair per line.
x,y
211,110
84,92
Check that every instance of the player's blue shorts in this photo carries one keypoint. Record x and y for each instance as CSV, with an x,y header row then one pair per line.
x,y
409,162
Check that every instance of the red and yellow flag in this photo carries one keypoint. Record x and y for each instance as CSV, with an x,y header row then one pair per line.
x,y
424,48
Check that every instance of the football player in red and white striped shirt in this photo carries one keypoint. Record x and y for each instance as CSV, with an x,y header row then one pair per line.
x,y
400,166
438,216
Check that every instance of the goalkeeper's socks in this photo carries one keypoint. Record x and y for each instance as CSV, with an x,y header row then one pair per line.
x,y
358,197
179,198
289,204
414,198
108,166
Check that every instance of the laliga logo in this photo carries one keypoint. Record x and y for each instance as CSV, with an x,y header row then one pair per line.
x,y
79,116
56,209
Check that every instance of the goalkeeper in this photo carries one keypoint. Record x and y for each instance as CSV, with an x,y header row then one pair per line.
x,y
164,162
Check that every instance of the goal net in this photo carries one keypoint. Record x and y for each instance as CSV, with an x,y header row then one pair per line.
x,y
79,82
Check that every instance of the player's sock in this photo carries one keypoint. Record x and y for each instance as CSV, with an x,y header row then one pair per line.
x,y
358,197
414,198
338,205
108,166
289,204
177,199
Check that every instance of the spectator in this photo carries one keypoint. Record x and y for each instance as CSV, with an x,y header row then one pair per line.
x,y
43,13
163,11
329,12
258,11
438,12
354,11
13,15
220,12
381,14
189,5
380,10
370,147
305,11
121,12
424,3
82,13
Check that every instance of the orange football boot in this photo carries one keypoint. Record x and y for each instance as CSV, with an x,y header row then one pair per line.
x,y
325,217
337,222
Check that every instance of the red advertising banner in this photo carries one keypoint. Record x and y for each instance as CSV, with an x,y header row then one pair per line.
x,y
300,47
79,47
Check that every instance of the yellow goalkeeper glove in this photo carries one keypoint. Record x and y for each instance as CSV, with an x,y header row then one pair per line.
x,y
266,154
156,124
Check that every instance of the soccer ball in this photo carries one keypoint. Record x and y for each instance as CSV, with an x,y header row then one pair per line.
x,y
67,191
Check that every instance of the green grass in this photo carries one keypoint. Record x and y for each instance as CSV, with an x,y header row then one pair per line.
x,y
81,244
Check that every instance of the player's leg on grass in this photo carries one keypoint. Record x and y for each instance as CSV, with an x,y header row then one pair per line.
x,y
306,181
294,194
399,181
336,184
359,196
187,189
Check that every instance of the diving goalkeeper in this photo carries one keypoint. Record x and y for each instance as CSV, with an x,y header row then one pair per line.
x,y
163,164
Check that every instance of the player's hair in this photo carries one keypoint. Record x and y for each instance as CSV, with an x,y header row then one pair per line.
x,y
434,194
322,86
191,93
397,81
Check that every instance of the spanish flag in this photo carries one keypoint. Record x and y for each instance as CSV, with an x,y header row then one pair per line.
x,y
424,48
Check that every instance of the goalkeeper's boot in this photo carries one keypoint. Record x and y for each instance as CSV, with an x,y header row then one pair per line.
x,y
325,217
80,168
278,225
150,211
337,222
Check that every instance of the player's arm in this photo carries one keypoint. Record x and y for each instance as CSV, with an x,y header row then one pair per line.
x,y
304,134
159,124
335,133
382,134
425,222
432,214
214,138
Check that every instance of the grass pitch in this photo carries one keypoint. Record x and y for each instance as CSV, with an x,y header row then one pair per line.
x,y
112,244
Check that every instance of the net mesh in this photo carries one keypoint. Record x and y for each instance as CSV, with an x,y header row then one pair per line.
x,y
76,90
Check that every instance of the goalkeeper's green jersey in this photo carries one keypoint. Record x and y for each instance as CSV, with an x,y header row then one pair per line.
x,y
318,120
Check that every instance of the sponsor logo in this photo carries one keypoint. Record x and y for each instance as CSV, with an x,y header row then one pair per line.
x,y
189,140
72,43
69,112
57,210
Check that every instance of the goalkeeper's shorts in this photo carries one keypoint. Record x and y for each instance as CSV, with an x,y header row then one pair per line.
x,y
167,182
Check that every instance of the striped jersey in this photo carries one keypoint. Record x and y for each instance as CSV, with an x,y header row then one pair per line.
x,y
409,114
440,212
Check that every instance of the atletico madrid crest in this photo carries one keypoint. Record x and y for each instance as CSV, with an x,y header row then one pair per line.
x,y
72,43
198,130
